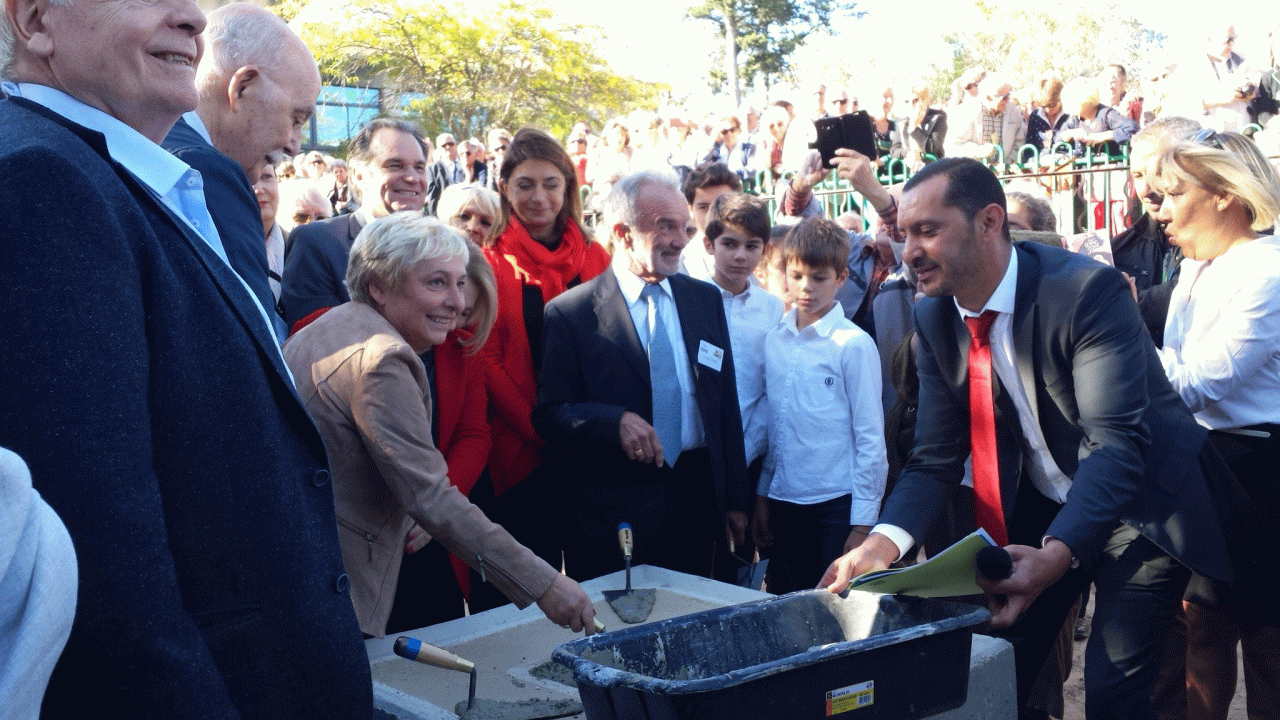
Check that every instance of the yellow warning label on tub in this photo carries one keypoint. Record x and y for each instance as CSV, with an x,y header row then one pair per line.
x,y
851,698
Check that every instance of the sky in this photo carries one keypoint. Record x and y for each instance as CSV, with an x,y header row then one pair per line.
x,y
659,44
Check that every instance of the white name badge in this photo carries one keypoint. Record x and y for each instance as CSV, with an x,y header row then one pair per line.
x,y
710,355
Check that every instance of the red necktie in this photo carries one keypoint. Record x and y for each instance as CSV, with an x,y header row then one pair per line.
x,y
987,510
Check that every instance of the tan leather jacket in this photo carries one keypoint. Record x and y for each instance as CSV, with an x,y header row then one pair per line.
x,y
367,392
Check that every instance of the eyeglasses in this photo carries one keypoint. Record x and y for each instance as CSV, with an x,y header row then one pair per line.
x,y
301,217
839,101
448,144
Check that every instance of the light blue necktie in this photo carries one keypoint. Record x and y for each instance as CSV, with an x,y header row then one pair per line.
x,y
666,385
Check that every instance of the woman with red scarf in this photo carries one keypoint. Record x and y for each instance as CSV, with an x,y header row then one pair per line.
x,y
541,251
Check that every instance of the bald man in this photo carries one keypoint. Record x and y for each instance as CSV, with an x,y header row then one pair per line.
x,y
257,86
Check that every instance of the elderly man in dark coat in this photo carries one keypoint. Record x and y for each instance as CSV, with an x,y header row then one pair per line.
x,y
141,381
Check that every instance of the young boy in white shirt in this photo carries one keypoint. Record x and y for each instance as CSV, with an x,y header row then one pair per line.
x,y
824,475
736,234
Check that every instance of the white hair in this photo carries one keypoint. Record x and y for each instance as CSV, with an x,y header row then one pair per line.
x,y
387,247
8,40
620,205
241,34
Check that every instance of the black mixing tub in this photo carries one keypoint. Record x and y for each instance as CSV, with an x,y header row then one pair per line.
x,y
809,654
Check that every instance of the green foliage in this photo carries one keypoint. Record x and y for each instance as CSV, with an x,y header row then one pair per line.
x,y
767,33
1024,44
463,69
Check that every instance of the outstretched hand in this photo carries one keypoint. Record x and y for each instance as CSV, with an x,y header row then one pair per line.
x,y
875,553
567,605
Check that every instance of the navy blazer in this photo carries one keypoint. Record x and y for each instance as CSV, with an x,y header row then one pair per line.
x,y
148,397
1111,420
315,263
234,208
594,368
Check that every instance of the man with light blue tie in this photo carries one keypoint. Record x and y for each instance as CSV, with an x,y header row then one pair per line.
x,y
637,399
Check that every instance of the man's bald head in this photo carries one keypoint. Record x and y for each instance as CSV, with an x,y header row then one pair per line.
x,y
258,84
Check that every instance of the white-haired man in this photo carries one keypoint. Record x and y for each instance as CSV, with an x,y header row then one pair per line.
x,y
637,396
145,390
258,85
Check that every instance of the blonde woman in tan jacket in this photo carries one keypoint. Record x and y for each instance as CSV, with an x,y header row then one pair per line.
x,y
358,371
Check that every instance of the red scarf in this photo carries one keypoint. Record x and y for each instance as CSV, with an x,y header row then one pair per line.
x,y
552,270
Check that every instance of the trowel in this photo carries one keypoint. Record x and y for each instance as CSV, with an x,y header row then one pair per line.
x,y
632,606
473,709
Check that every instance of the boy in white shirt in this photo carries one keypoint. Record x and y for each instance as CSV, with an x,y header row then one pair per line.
x,y
736,234
824,475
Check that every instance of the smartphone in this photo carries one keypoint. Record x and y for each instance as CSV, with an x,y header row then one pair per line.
x,y
853,131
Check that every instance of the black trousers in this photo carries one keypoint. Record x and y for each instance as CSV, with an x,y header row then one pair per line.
x,y
1138,589
806,539
675,520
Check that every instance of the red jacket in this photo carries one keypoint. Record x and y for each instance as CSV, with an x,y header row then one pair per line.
x,y
464,430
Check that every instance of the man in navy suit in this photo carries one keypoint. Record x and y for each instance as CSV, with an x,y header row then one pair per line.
x,y
388,159
598,404
141,382
258,85
1099,463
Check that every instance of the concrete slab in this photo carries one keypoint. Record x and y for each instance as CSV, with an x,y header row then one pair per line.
x,y
507,643
993,692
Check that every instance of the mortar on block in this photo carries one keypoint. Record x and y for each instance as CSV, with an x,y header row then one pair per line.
x,y
810,654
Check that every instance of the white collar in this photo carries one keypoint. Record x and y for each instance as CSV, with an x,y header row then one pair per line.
x,y
149,162
825,325
1006,293
629,283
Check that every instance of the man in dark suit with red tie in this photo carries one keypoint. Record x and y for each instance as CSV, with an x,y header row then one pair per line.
x,y
1086,464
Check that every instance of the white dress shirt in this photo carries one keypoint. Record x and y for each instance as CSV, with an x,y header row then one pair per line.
x,y
1040,465
826,425
691,430
1222,336
752,314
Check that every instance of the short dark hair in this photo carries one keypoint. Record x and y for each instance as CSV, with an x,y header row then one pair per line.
x,y
818,243
739,210
358,147
710,175
971,186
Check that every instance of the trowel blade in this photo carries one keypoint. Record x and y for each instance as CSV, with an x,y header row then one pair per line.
x,y
633,607
518,710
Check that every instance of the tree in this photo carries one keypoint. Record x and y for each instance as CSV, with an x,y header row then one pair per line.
x,y
462,71
1023,44
764,34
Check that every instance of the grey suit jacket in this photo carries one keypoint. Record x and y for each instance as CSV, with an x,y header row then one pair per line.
x,y
1108,414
